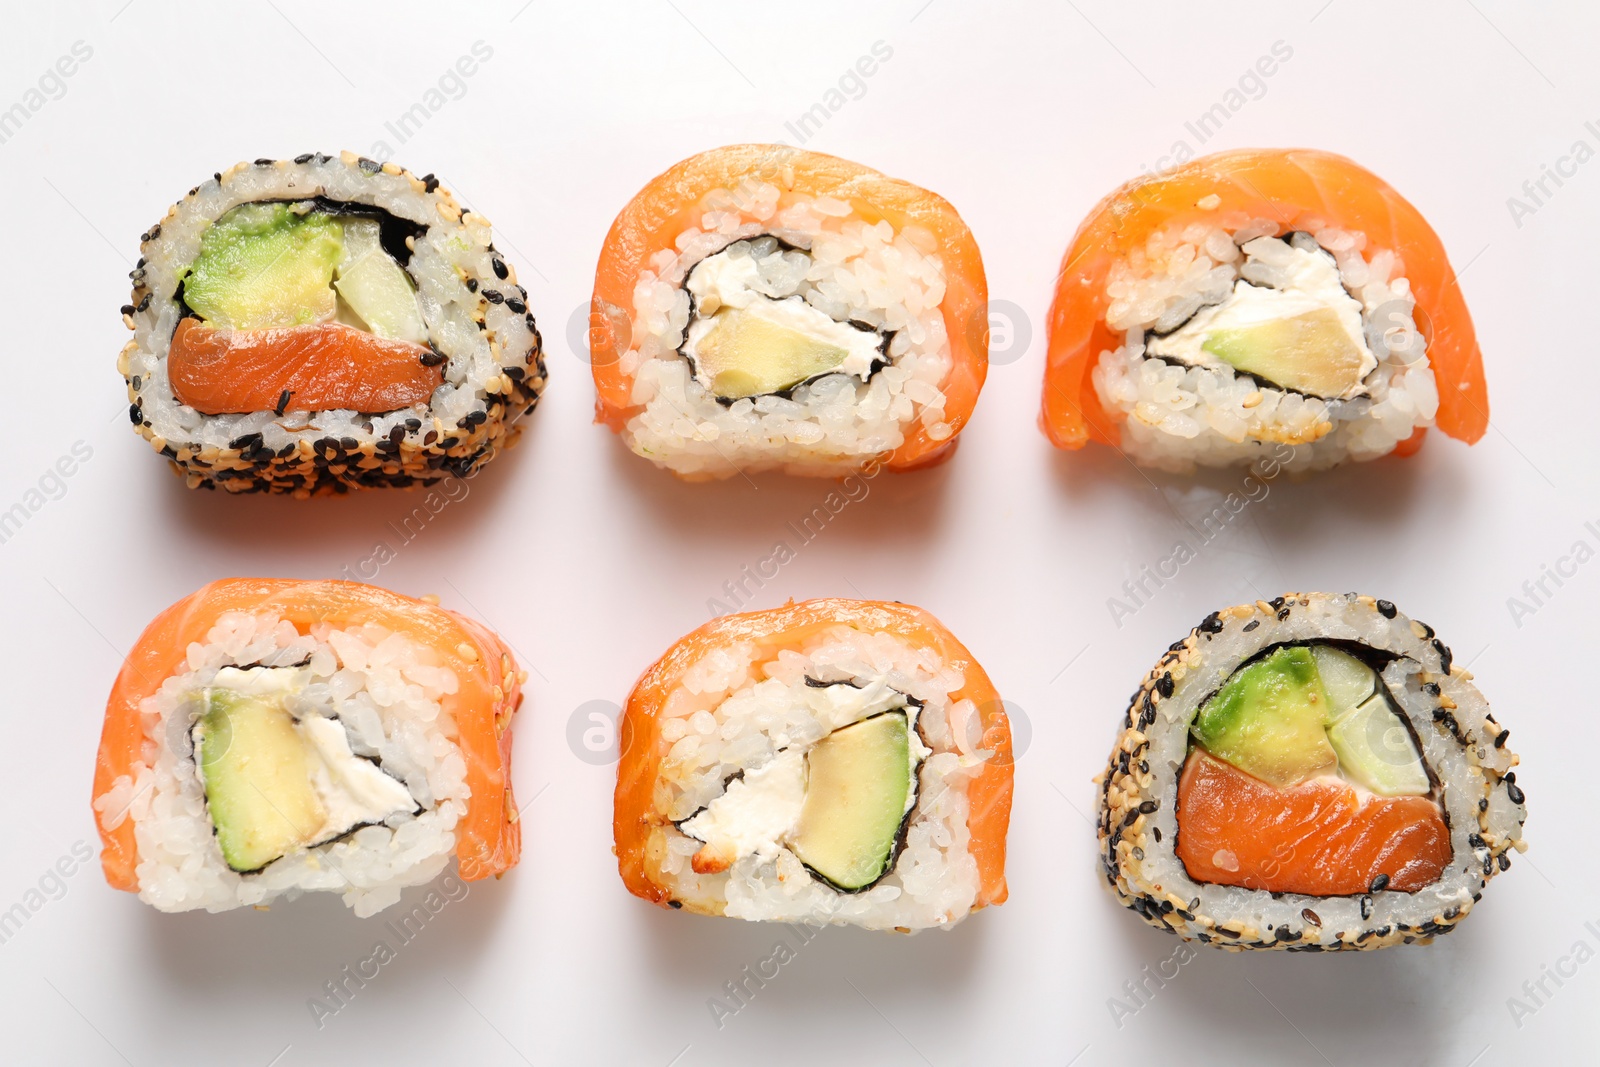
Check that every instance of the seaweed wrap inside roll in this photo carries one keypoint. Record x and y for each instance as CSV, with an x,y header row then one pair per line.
x,y
1309,773
326,324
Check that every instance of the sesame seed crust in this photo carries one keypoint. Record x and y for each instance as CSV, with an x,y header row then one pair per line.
x,y
1131,793
411,449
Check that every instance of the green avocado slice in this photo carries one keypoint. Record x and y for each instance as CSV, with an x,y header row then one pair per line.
x,y
265,266
1310,352
257,779
860,785
1270,719
745,353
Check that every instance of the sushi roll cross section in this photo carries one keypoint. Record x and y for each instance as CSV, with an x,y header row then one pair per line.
x,y
1308,773
1255,299
269,738
324,324
830,762
761,307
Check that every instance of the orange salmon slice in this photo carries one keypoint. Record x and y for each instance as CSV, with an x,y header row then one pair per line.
x,y
323,367
1319,838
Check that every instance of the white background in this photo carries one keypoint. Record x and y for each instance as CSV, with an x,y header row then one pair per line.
x,y
591,562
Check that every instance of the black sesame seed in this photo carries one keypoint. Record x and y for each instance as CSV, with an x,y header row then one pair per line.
x,y
1276,602
1514,791
499,266
134,414
1505,861
303,159
1156,832
349,444
432,358
128,309
1211,624
264,162
1444,656
248,441
1483,803
371,166
493,296
1283,613
429,183
472,285
1310,916
1251,625
1379,883
1500,738
1148,807
1366,909
1431,688
675,904
1164,684
283,402
145,303
517,307
1476,841
1386,609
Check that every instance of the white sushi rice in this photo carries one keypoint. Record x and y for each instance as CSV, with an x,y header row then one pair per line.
x,y
443,258
872,274
737,706
384,688
1176,417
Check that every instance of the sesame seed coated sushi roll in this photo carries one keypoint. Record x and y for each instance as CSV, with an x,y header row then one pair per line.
x,y
1312,773
1255,298
326,324
836,761
269,737
761,307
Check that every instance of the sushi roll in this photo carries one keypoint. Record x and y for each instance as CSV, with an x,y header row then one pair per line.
x,y
1311,773
832,762
1257,299
760,307
326,324
270,737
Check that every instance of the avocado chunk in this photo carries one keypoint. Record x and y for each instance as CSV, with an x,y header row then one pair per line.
x,y
861,784
1311,352
1270,719
747,352
1347,680
377,288
265,266
1376,751
257,776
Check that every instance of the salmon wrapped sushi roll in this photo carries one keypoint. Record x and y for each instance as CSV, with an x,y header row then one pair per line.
x,y
1259,301
1310,773
326,324
761,307
271,737
836,761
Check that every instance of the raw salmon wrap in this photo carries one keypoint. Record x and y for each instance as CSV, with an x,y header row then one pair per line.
x,y
836,761
1253,299
270,737
326,324
1310,773
761,307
